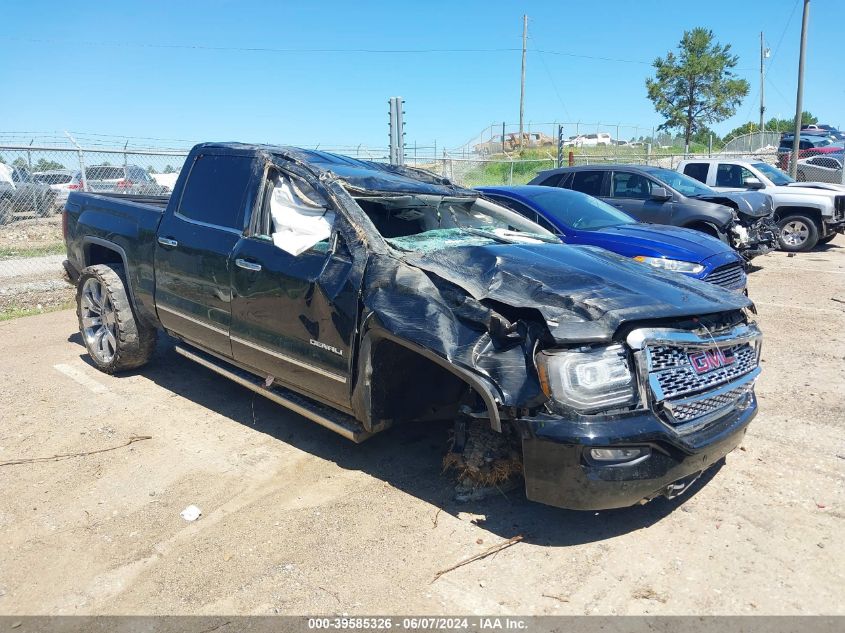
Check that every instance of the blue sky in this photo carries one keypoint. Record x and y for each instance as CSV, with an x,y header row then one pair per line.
x,y
167,69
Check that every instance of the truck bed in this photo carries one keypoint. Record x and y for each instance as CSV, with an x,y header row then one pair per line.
x,y
155,201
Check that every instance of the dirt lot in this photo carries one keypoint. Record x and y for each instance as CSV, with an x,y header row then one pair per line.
x,y
297,520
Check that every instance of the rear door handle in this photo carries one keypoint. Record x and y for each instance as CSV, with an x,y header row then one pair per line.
x,y
247,265
166,241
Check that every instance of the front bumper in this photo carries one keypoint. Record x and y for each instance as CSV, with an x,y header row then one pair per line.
x,y
756,238
834,226
559,472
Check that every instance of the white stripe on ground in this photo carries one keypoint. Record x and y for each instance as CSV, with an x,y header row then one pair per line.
x,y
797,307
79,376
10,268
815,270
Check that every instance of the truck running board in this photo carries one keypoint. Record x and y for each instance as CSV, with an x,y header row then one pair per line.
x,y
323,415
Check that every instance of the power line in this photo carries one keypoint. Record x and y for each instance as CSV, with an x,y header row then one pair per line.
x,y
551,80
306,51
783,33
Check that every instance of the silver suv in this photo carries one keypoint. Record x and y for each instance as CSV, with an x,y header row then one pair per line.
x,y
127,179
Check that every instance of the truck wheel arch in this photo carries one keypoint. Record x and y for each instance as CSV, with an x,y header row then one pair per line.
x,y
96,250
381,350
811,212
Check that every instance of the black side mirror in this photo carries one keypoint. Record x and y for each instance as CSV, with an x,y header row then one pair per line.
x,y
661,194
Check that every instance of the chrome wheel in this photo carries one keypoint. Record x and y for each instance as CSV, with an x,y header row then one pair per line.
x,y
99,325
794,233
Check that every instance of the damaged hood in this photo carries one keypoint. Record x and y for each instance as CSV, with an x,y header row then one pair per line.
x,y
584,293
751,203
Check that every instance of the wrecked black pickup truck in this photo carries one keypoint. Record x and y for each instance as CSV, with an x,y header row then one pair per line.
x,y
363,295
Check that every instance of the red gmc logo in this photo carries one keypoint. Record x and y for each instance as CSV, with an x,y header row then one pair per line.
x,y
708,360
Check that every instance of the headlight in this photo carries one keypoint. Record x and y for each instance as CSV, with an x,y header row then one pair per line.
x,y
587,381
671,264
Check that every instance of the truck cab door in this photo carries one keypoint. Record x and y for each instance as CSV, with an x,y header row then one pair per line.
x,y
193,248
295,316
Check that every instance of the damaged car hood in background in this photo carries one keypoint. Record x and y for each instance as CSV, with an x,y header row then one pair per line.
x,y
751,203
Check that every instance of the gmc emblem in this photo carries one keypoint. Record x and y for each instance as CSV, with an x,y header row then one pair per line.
x,y
708,360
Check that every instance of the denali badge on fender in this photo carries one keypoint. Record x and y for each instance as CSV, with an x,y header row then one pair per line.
x,y
329,348
708,360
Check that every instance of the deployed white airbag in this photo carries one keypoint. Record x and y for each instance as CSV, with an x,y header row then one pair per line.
x,y
298,221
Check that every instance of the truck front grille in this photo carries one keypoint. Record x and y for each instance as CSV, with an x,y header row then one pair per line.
x,y
677,377
693,379
688,412
839,208
731,276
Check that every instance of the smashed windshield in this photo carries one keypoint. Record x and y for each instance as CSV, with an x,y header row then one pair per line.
x,y
427,222
681,183
773,173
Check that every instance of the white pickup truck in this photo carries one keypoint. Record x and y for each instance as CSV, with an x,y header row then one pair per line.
x,y
807,213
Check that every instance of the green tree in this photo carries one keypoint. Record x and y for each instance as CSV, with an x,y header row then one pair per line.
x,y
168,169
46,165
151,169
702,137
772,125
697,86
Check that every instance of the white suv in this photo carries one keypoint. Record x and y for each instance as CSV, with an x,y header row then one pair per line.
x,y
589,140
807,213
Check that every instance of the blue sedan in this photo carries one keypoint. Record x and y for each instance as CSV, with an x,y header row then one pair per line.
x,y
581,219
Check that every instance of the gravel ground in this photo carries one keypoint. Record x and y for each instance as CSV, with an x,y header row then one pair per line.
x,y
298,520
31,274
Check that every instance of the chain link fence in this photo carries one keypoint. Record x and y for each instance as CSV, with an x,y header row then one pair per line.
x,y
37,176
35,181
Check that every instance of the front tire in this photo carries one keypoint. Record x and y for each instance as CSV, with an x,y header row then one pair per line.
x,y
114,338
797,233
825,240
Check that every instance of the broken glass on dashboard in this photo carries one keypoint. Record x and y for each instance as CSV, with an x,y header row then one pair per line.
x,y
428,222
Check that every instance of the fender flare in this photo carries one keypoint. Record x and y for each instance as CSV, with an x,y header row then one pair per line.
x,y
88,240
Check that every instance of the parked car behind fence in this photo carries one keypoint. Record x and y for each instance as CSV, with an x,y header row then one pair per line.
x,y
21,196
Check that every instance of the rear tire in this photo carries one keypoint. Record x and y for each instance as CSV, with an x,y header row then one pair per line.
x,y
825,240
114,338
797,233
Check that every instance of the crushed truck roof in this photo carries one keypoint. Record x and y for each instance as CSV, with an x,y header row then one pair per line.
x,y
362,176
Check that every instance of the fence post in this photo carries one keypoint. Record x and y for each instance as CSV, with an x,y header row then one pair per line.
x,y
616,148
81,161
510,174
32,189
559,162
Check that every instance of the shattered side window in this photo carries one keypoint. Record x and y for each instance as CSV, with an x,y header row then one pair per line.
x,y
300,218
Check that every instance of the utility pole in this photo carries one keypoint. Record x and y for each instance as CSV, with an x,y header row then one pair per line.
x,y
397,131
522,80
764,53
799,98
